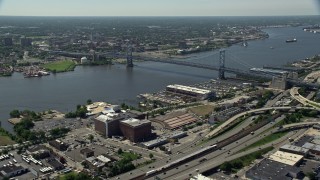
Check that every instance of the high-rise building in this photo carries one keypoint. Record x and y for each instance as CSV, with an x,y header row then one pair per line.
x,y
136,130
25,42
8,41
107,126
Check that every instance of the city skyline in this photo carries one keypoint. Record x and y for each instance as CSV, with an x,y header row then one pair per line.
x,y
159,8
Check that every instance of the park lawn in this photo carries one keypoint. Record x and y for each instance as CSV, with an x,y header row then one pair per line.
x,y
202,110
60,66
237,164
5,140
129,155
266,140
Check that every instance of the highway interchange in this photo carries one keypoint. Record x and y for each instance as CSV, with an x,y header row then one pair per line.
x,y
229,152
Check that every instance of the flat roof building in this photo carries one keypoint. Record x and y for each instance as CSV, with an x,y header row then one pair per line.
x,y
200,177
294,149
286,158
12,170
103,159
136,130
56,165
197,93
97,163
179,121
61,146
155,143
164,139
269,169
107,126
86,152
314,148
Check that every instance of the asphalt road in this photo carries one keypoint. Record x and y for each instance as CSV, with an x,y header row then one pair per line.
x,y
241,144
305,101
218,157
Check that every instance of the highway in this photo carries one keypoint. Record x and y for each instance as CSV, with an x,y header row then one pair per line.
x,y
297,125
310,78
219,156
188,150
174,157
231,151
231,120
294,92
273,101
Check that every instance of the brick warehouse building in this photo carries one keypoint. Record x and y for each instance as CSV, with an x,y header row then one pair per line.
x,y
136,130
107,126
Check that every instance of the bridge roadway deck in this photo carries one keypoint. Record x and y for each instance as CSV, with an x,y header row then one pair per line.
x,y
186,63
303,124
294,92
232,119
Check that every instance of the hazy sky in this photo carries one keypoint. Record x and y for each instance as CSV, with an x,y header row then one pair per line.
x,y
158,7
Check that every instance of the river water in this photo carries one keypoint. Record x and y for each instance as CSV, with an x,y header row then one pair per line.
x,y
117,84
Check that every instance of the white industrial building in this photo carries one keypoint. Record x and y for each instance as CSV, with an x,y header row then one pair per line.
x,y
84,60
198,93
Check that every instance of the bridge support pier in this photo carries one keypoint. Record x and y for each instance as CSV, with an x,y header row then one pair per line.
x,y
129,57
222,64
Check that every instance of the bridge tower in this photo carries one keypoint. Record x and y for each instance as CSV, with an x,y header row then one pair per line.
x,y
129,56
222,64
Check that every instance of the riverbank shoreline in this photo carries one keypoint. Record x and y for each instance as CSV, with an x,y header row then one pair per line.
x,y
117,83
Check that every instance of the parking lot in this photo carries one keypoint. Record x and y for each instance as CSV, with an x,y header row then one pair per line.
x,y
101,145
18,160
72,123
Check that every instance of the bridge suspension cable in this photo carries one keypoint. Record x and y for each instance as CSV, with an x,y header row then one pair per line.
x,y
245,64
239,61
203,57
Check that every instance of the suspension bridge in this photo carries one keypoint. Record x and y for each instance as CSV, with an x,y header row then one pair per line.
x,y
220,68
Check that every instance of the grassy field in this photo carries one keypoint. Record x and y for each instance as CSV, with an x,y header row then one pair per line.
x,y
68,176
5,140
129,155
237,164
266,140
202,110
60,66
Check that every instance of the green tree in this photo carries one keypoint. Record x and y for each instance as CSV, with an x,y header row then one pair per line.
x,y
82,176
89,101
15,114
162,148
313,113
227,166
120,151
151,156
91,137
311,175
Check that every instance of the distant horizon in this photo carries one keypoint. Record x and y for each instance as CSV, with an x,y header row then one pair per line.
x,y
157,8
163,16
